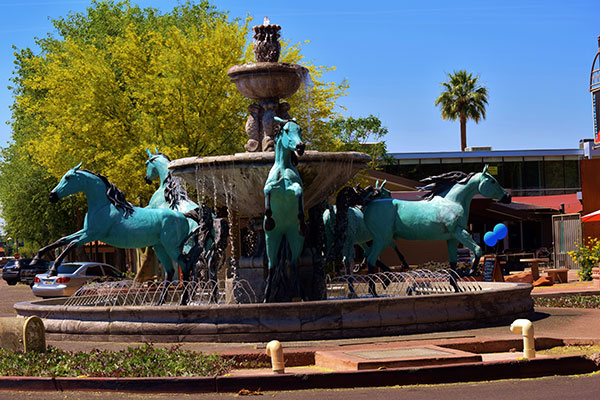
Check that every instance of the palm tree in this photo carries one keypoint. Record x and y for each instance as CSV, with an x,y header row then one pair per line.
x,y
463,98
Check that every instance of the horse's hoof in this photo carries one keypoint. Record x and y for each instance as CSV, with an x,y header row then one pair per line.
x,y
269,224
352,295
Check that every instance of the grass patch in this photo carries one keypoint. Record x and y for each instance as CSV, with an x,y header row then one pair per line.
x,y
569,301
143,361
585,350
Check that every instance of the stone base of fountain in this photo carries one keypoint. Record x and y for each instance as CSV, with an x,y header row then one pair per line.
x,y
329,319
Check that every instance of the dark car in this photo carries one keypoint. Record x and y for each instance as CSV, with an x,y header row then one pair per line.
x,y
10,272
28,272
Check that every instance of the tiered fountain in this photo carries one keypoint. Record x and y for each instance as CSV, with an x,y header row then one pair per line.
x,y
408,303
237,180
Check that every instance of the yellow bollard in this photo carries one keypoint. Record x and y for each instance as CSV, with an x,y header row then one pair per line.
x,y
275,351
26,334
525,327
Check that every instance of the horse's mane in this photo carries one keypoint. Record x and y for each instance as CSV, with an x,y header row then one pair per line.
x,y
115,195
161,154
174,192
439,184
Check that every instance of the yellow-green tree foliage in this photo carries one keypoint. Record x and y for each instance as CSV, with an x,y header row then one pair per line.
x,y
120,79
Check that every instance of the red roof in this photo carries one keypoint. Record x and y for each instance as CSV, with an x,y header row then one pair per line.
x,y
572,204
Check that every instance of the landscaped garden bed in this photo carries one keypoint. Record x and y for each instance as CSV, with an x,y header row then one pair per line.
x,y
568,301
143,361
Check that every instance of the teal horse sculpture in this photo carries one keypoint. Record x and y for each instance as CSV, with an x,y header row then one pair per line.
x,y
284,222
343,235
441,215
113,220
207,234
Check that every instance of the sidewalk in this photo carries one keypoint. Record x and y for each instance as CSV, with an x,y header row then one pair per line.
x,y
498,347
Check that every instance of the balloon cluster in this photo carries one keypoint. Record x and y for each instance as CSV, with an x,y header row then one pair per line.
x,y
492,237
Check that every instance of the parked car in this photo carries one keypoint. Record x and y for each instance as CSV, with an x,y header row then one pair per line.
x,y
71,276
10,272
28,272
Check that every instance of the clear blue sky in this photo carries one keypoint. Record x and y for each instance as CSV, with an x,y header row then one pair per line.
x,y
534,57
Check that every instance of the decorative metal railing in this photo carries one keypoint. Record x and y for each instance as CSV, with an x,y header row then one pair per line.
x,y
396,284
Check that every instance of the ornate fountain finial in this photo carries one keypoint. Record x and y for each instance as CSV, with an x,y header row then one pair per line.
x,y
266,42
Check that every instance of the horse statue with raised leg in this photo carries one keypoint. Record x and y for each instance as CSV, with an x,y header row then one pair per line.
x,y
345,228
441,215
284,222
113,220
207,234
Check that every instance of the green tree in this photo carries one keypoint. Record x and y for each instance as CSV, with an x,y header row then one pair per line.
x,y
463,98
24,189
119,79
364,134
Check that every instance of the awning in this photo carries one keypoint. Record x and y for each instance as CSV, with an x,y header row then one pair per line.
x,y
571,203
595,216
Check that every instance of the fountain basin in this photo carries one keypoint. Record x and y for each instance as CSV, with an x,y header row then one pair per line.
x,y
237,180
330,319
267,80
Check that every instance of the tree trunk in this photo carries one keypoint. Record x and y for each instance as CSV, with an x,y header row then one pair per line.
x,y
463,133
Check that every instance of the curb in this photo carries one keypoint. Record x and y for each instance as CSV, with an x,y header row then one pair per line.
x,y
468,372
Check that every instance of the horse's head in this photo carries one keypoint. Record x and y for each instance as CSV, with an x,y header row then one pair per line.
x,y
348,197
489,187
373,193
72,182
290,136
154,164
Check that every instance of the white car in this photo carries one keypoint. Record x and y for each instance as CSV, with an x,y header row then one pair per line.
x,y
71,276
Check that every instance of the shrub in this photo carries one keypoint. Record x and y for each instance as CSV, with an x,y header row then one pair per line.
x,y
586,257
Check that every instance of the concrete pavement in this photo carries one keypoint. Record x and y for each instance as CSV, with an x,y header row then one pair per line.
x,y
500,349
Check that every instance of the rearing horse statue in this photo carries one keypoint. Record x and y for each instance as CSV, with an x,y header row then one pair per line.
x,y
284,223
209,233
441,215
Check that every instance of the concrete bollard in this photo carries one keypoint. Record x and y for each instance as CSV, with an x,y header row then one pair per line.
x,y
525,327
275,351
22,334
596,277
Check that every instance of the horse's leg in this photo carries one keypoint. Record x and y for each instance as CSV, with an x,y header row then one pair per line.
x,y
77,239
405,265
167,264
269,223
296,242
463,236
348,260
60,242
272,241
452,245
374,253
303,229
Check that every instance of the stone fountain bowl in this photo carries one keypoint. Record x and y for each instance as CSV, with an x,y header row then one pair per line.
x,y
265,80
238,180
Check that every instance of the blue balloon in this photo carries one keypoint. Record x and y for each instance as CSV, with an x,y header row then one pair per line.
x,y
490,239
500,231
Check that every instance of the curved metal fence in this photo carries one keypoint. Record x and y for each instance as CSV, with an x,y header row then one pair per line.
x,y
130,293
400,284
390,284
